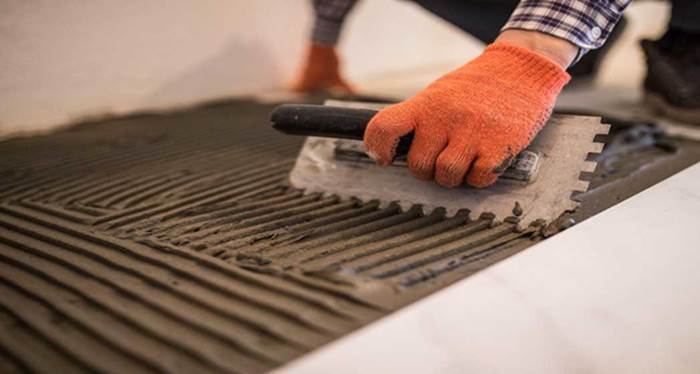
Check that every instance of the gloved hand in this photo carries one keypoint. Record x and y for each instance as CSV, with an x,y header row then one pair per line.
x,y
321,72
469,124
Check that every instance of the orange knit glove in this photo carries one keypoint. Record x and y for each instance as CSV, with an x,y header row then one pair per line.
x,y
321,72
469,124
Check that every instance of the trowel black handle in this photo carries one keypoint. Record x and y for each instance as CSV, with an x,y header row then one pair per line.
x,y
328,122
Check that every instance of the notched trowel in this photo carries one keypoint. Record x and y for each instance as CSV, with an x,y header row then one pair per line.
x,y
539,181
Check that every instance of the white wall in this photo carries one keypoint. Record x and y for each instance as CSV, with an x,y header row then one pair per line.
x,y
67,60
70,59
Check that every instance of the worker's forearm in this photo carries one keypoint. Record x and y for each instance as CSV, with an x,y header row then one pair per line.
x,y
558,50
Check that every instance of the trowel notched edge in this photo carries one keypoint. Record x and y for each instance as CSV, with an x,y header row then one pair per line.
x,y
562,146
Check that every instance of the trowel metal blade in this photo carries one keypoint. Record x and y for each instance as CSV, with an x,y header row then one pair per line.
x,y
562,147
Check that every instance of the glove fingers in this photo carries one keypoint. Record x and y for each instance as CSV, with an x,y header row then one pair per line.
x,y
486,169
453,163
384,131
425,149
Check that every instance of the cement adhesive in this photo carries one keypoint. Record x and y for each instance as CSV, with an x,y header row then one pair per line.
x,y
171,242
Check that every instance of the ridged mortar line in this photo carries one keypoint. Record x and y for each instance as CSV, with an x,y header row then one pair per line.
x,y
114,357
89,211
95,196
31,351
370,262
329,302
171,210
189,338
240,237
249,212
298,248
133,198
194,262
242,220
421,258
304,230
58,212
177,294
197,218
320,252
356,252
459,261
327,225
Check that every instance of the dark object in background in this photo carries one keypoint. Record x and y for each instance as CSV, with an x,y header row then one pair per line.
x,y
672,83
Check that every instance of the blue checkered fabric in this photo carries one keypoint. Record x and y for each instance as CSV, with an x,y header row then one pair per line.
x,y
585,23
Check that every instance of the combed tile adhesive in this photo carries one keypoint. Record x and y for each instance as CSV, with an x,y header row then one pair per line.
x,y
172,242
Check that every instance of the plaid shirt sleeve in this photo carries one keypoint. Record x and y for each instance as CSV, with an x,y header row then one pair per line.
x,y
330,15
585,23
